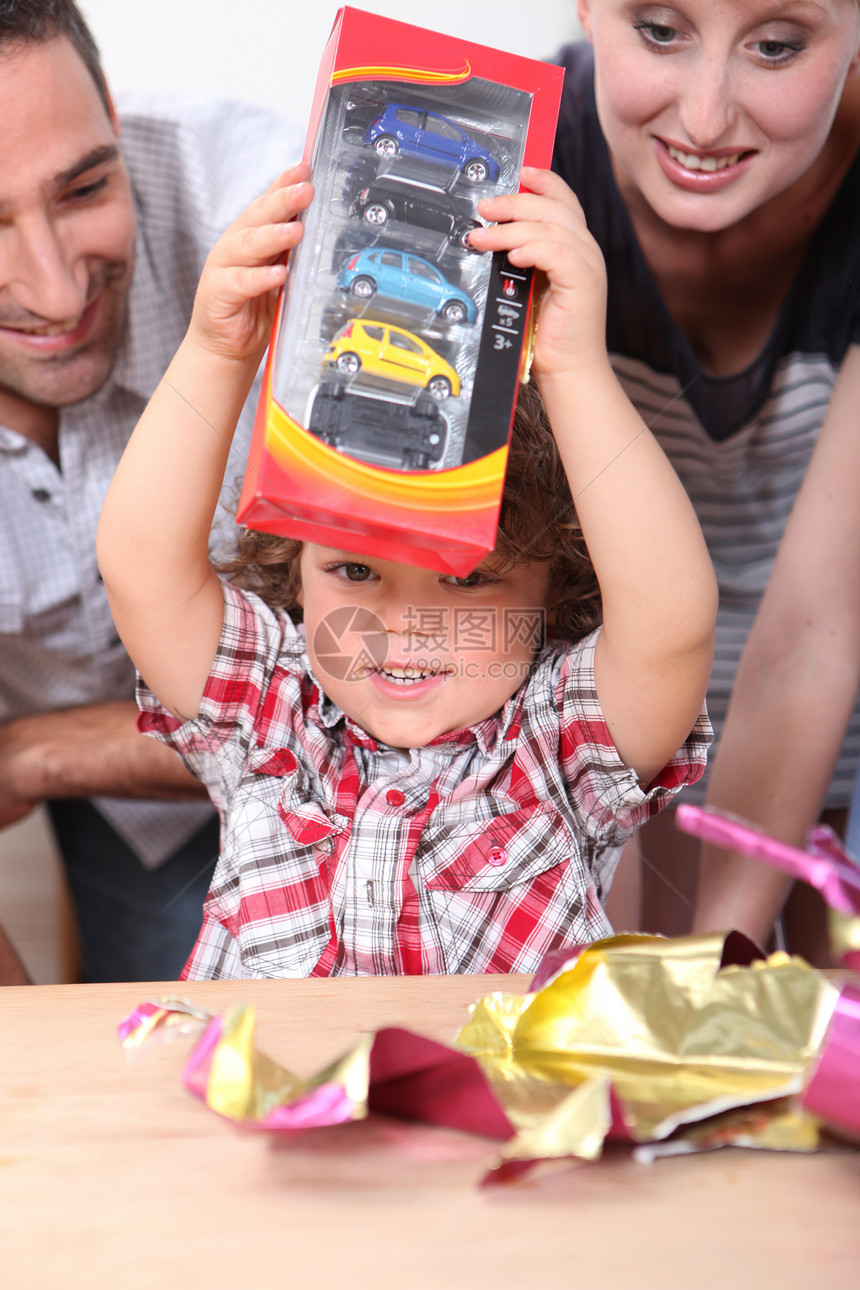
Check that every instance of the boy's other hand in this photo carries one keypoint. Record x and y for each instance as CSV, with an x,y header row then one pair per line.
x,y
235,303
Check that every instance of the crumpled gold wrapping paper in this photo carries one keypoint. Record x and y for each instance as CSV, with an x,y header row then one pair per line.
x,y
642,1036
672,1045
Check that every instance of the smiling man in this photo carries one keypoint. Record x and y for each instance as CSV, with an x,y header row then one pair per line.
x,y
106,217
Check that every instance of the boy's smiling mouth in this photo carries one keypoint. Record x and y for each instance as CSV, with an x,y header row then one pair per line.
x,y
405,675
400,679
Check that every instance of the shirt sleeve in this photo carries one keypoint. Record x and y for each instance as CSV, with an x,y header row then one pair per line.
x,y
219,155
606,793
257,646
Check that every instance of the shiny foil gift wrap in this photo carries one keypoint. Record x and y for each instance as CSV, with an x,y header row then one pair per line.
x,y
834,1091
390,1072
824,865
642,1038
671,1045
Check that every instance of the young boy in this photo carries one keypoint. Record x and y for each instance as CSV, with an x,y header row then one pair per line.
x,y
395,797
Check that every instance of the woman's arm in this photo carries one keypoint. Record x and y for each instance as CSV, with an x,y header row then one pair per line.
x,y
154,530
798,678
656,579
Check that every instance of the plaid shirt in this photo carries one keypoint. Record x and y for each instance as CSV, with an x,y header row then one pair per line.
x,y
477,853
193,165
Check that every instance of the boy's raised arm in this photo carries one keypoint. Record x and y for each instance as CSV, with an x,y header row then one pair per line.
x,y
656,578
154,530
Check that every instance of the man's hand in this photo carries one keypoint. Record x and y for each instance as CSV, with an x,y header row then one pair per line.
x,y
85,752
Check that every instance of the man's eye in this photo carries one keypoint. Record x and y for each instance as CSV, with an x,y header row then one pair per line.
x,y
83,191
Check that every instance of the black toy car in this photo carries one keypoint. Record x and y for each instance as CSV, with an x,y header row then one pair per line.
x,y
383,432
392,197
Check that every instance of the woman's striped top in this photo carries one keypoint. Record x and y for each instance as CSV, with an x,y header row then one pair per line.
x,y
741,443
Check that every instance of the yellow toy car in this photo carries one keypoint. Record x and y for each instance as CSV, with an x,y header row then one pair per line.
x,y
379,349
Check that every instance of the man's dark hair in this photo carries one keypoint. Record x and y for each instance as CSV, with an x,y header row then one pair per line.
x,y
34,22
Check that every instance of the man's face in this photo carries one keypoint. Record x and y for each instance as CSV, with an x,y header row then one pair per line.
x,y
67,232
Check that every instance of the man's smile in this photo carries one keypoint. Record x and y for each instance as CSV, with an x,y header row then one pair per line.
x,y
69,329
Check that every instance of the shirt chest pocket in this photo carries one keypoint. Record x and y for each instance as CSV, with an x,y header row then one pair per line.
x,y
282,848
498,854
308,824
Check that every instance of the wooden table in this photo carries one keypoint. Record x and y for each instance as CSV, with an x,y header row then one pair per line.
x,y
111,1175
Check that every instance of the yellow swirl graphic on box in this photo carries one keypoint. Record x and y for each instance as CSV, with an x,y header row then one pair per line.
x,y
394,73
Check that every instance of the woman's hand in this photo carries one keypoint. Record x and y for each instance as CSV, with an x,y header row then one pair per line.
x,y
544,228
235,302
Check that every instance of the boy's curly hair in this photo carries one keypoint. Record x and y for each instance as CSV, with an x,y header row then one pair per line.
x,y
537,522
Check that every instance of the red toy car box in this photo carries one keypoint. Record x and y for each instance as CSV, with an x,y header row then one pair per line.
x,y
396,353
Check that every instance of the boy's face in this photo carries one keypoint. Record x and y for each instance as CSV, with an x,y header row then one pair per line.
x,y
711,108
410,654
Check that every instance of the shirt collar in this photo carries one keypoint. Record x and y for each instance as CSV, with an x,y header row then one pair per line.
x,y
488,734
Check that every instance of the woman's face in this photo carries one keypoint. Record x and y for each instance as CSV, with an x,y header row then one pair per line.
x,y
712,107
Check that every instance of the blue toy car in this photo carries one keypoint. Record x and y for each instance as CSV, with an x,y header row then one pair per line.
x,y
399,275
432,137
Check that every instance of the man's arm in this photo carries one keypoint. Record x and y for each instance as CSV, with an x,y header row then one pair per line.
x,y
798,678
85,752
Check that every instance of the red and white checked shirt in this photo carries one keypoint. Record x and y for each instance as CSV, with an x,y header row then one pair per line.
x,y
341,856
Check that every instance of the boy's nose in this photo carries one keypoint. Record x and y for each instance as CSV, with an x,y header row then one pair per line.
x,y
40,274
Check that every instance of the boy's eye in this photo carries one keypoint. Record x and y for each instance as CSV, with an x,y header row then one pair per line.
x,y
356,572
350,570
476,578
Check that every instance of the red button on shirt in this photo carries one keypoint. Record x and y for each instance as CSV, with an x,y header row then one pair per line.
x,y
394,797
497,855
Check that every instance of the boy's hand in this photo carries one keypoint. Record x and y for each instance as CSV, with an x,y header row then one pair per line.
x,y
544,228
235,302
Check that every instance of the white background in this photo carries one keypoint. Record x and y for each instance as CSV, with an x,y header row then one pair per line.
x,y
267,51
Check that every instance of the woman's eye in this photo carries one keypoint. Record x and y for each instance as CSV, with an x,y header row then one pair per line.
x,y
656,33
777,51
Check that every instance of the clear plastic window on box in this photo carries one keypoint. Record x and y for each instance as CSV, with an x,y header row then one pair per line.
x,y
385,308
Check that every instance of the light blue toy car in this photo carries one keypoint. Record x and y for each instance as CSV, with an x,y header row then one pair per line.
x,y
399,275
433,137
